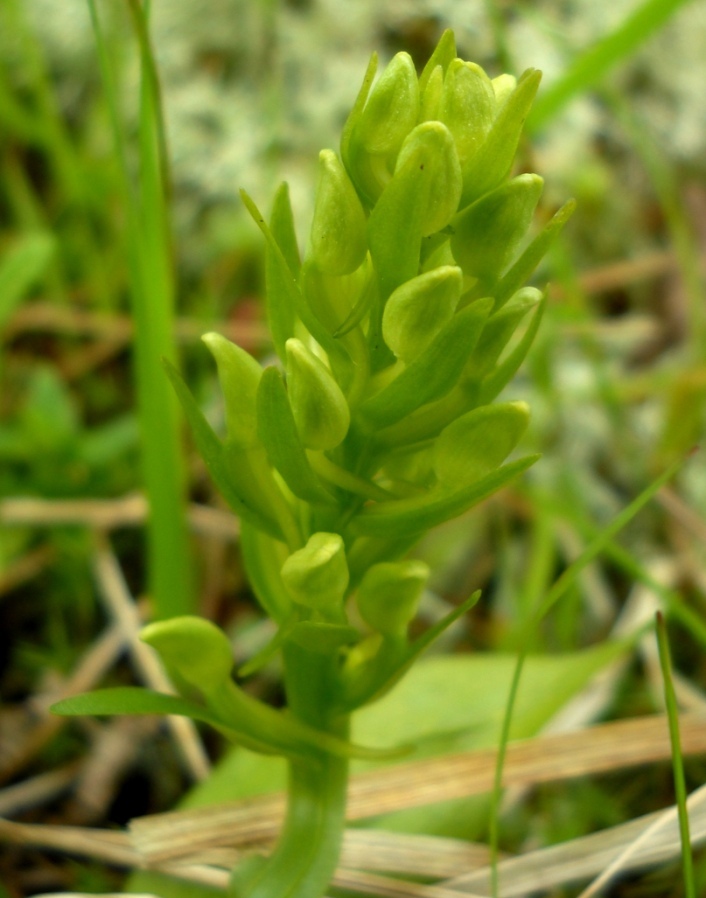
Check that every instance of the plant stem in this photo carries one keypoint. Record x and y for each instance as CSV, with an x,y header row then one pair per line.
x,y
306,855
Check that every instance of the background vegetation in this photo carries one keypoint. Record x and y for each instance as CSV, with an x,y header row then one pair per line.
x,y
103,270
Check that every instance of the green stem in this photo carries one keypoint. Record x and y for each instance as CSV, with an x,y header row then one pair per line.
x,y
307,852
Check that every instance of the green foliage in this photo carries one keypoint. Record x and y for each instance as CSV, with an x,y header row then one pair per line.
x,y
392,337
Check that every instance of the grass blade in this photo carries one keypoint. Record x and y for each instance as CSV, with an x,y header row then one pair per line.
x,y
152,292
589,67
677,759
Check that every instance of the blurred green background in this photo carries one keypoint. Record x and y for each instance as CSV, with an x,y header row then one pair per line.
x,y
121,241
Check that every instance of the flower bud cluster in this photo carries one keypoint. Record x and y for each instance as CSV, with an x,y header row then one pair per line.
x,y
396,332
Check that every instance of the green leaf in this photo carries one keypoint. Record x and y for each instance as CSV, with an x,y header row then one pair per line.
x,y
282,228
405,517
278,433
348,150
263,558
434,373
212,452
132,700
523,268
503,373
286,298
498,331
443,55
282,264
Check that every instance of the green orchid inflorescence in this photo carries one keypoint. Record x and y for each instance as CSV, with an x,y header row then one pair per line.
x,y
396,333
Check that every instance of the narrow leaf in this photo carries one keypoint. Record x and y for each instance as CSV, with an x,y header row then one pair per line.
x,y
278,433
434,373
211,450
503,373
520,272
406,517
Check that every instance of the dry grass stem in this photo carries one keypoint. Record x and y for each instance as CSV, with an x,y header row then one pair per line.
x,y
48,317
121,605
25,568
611,746
108,514
628,847
37,790
99,658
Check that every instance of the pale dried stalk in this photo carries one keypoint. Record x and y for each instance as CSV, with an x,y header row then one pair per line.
x,y
99,844
665,826
38,789
99,658
107,514
611,746
122,606
629,847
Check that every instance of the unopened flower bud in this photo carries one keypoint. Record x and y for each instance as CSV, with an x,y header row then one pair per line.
x,y
418,310
392,108
338,243
319,407
317,575
239,374
389,594
487,233
467,106
430,148
478,442
503,86
376,130
194,648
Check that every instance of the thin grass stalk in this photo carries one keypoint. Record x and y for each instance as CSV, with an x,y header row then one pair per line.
x,y
592,64
670,700
152,291
567,578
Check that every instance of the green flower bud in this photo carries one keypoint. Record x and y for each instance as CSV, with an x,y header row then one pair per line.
x,y
467,106
392,108
239,374
338,243
317,575
194,648
478,442
487,233
430,148
389,594
418,310
319,407
376,130
503,86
